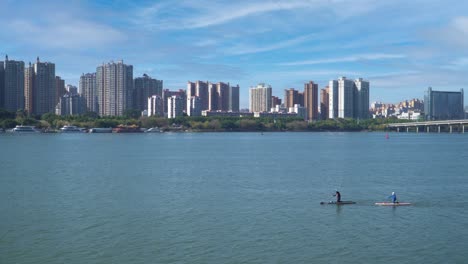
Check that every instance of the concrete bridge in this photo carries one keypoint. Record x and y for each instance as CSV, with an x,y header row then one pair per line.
x,y
428,126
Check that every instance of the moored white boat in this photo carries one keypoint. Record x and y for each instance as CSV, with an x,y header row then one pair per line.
x,y
24,129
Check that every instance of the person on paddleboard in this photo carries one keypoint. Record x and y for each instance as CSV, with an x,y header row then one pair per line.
x,y
338,196
394,198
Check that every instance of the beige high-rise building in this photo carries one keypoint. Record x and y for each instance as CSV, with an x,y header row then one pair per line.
x,y
40,88
89,91
114,83
292,97
260,98
311,100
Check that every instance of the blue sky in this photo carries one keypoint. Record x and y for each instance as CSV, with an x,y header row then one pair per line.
x,y
401,47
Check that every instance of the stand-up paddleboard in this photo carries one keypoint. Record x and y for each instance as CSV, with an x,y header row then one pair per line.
x,y
340,203
392,204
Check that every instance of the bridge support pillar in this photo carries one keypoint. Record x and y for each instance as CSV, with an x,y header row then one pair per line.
x,y
397,129
427,129
451,128
407,129
417,129
463,129
438,129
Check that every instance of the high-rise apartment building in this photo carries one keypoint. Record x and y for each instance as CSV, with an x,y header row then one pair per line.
x,y
275,101
200,89
180,93
11,85
292,97
28,88
71,89
324,101
2,83
70,104
88,90
114,83
59,88
155,106
234,98
175,106
348,98
444,105
311,100
145,87
43,90
194,106
260,98
361,99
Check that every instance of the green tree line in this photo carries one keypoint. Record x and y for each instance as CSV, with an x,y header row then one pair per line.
x,y
89,120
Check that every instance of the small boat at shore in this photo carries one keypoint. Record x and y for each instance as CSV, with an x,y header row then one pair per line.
x,y
71,129
127,129
100,130
24,129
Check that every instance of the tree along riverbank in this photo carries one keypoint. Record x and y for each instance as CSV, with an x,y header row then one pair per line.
x,y
51,121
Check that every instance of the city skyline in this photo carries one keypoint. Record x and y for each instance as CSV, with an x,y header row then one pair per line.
x,y
257,42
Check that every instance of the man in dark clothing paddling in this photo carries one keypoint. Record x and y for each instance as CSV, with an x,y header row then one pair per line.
x,y
338,196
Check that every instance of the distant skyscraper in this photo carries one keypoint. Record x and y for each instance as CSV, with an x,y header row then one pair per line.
x,y
88,90
70,104
114,82
292,97
175,106
155,106
212,97
145,87
361,99
180,93
275,101
12,85
348,98
28,88
324,101
260,98
2,84
444,105
194,106
311,100
43,88
234,98
200,89
333,99
59,88
71,89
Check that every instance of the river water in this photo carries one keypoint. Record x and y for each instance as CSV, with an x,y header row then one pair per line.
x,y
232,198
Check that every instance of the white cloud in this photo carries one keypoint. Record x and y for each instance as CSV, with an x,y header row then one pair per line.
x,y
354,58
70,34
242,49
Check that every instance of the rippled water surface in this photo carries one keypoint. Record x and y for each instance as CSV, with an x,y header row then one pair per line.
x,y
232,198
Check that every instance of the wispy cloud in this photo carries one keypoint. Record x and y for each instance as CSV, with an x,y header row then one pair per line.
x,y
354,58
72,34
245,11
244,49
